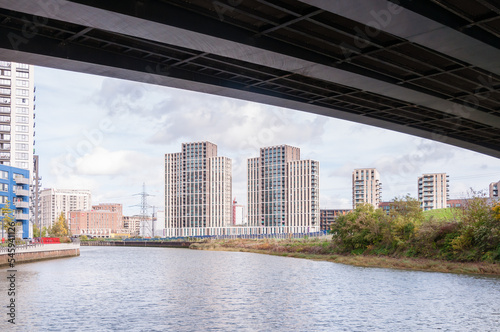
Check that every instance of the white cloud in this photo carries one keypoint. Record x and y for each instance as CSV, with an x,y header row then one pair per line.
x,y
149,121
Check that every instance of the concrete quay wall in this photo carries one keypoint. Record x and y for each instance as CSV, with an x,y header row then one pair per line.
x,y
52,251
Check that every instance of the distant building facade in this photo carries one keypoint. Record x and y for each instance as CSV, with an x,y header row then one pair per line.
x,y
386,206
238,214
103,220
433,189
53,202
198,191
328,216
494,189
14,189
283,191
132,224
366,187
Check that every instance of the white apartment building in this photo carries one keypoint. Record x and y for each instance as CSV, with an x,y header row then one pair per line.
x,y
198,190
433,191
303,186
366,187
55,201
283,191
17,109
132,224
17,118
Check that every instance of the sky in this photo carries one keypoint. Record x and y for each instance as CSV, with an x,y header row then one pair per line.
x,y
110,136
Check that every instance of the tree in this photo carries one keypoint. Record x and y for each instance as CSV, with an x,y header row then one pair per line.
x,y
60,227
36,231
408,208
7,219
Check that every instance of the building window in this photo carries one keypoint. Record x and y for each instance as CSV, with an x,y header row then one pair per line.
x,y
4,100
22,101
21,164
22,129
22,92
20,137
23,83
22,74
5,82
22,147
21,156
4,187
4,109
22,110
4,64
22,119
4,72
4,128
4,174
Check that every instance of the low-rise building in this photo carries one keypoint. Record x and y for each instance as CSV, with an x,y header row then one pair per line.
x,y
132,224
328,217
104,220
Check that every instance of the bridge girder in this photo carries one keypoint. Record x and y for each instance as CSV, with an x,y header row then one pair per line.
x,y
370,62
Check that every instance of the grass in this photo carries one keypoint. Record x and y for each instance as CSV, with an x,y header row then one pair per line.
x,y
322,250
441,214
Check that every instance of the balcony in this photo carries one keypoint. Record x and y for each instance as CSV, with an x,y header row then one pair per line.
x,y
21,204
21,180
22,192
21,216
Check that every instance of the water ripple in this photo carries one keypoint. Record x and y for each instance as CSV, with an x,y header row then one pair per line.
x,y
158,289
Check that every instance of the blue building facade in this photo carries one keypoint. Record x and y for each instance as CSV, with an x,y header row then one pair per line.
x,y
14,188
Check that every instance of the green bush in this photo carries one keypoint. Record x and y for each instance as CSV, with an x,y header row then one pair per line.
x,y
473,234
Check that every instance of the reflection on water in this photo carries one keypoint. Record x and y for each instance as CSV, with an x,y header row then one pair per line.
x,y
160,289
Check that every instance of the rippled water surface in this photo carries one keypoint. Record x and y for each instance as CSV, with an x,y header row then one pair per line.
x,y
159,289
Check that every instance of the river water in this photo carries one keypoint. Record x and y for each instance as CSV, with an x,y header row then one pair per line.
x,y
163,289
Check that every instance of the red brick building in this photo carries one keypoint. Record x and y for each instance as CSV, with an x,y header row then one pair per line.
x,y
102,221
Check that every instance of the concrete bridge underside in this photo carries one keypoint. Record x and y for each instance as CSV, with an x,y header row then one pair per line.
x,y
429,68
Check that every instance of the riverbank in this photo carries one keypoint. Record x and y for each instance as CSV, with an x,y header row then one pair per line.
x,y
28,254
167,244
322,250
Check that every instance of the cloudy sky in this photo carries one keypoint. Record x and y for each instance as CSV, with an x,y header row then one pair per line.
x,y
110,136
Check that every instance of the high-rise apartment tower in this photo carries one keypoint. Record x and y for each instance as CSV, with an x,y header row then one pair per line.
x,y
366,187
283,191
198,190
433,191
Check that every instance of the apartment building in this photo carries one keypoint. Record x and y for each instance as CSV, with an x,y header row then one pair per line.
x,y
132,224
54,201
494,189
198,190
104,220
283,191
14,191
17,118
433,191
366,187
328,216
